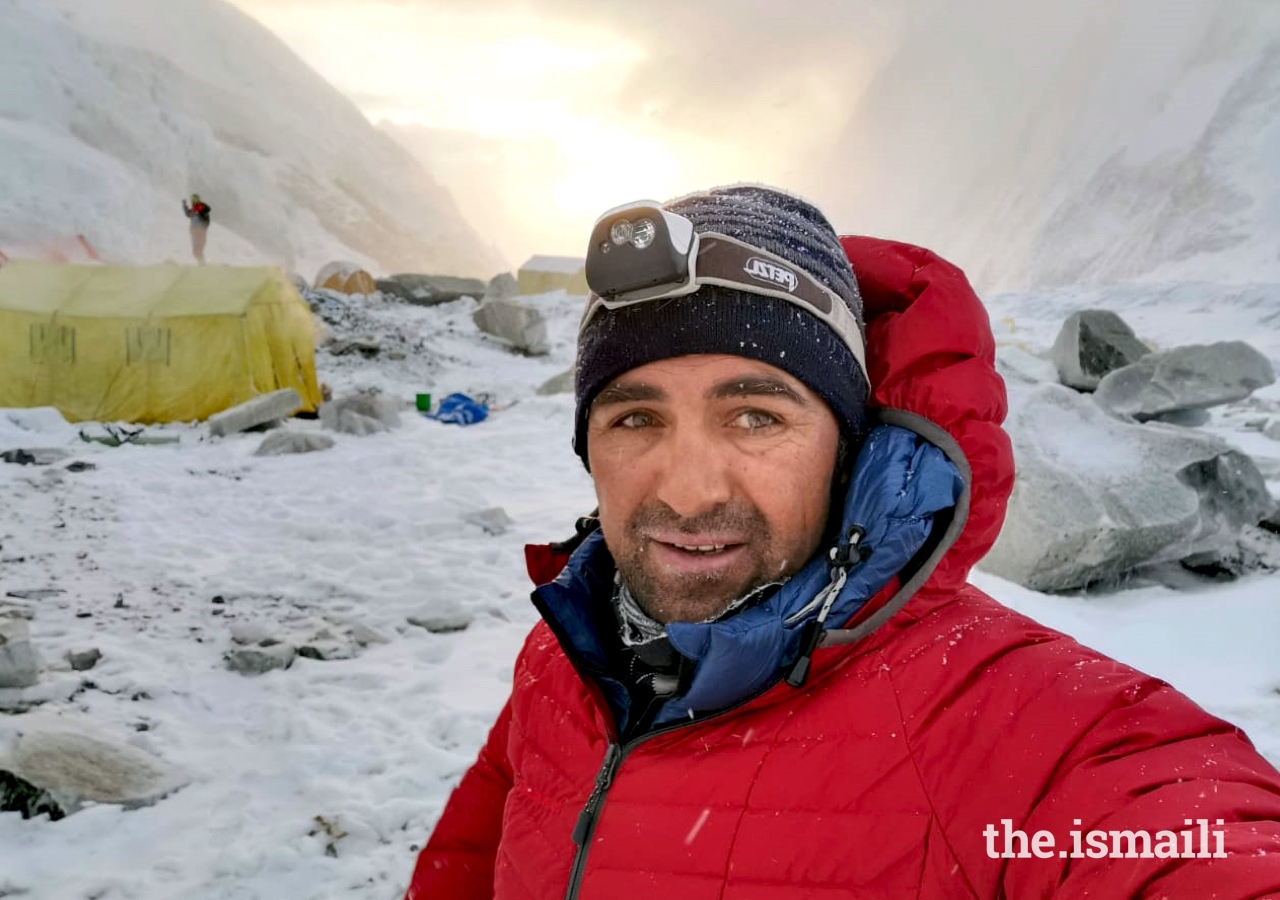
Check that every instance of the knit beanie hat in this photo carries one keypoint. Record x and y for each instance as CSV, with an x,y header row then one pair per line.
x,y
716,319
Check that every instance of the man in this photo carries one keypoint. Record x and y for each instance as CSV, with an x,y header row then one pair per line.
x,y
761,672
197,211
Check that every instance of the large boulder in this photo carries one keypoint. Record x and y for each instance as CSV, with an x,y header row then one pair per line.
x,y
19,665
74,766
503,285
1198,376
430,290
259,411
362,413
1092,344
1097,498
519,324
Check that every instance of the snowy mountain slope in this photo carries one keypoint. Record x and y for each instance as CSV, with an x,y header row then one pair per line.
x,y
111,111
1087,142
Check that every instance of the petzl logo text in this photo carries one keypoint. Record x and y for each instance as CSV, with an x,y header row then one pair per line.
x,y
773,273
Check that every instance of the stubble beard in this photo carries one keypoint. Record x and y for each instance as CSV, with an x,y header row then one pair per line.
x,y
671,597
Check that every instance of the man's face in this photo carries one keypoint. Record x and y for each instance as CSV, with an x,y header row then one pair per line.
x,y
713,475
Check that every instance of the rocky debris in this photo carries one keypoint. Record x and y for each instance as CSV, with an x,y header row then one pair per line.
x,y
1272,430
346,346
494,521
362,413
1255,550
557,384
517,323
1097,498
75,766
260,659
258,411
1092,344
20,700
83,660
19,665
326,649
1197,376
364,635
442,619
282,443
35,593
1184,418
36,456
430,290
502,285
1272,522
80,466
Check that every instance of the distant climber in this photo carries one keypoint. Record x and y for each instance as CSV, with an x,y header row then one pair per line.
x,y
198,212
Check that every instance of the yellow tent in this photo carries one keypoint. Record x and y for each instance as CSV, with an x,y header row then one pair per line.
x,y
154,344
543,274
345,278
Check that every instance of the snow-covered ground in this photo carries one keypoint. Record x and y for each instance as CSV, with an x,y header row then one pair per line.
x,y
372,532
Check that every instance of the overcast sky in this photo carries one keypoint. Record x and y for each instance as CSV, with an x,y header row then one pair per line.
x,y
540,116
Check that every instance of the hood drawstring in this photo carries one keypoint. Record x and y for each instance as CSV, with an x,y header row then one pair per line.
x,y
843,558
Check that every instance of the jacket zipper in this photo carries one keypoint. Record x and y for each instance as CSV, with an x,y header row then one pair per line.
x,y
585,828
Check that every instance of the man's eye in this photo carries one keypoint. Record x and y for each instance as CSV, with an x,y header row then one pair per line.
x,y
754,420
634,420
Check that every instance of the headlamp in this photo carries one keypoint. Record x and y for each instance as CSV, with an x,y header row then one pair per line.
x,y
641,252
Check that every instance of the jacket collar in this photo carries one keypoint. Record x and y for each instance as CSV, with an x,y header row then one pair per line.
x,y
901,485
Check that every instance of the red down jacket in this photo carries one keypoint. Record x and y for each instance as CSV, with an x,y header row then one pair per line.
x,y
878,777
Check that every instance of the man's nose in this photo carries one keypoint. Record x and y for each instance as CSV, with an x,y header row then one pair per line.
x,y
696,474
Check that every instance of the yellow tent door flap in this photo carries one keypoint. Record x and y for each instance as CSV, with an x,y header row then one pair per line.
x,y
150,344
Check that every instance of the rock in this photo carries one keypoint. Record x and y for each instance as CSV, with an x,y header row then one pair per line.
x,y
503,285
345,347
80,466
258,411
281,443
1097,498
1256,550
515,322
1193,377
361,413
20,700
84,660
326,650
1272,430
257,660
430,290
442,620
1272,522
36,456
19,665
1091,344
494,521
1185,418
557,384
252,631
364,635
75,767
35,593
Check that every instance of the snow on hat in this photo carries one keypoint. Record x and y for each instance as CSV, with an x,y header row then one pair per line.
x,y
717,319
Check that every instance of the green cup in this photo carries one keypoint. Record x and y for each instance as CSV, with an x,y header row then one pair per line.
x,y
424,402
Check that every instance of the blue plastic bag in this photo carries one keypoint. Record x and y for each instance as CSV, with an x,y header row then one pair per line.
x,y
459,409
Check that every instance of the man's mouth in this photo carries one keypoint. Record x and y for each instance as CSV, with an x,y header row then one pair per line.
x,y
700,548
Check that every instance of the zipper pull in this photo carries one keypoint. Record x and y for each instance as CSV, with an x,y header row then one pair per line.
x,y
842,559
587,818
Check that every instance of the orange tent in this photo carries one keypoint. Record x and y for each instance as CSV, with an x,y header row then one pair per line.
x,y
346,278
